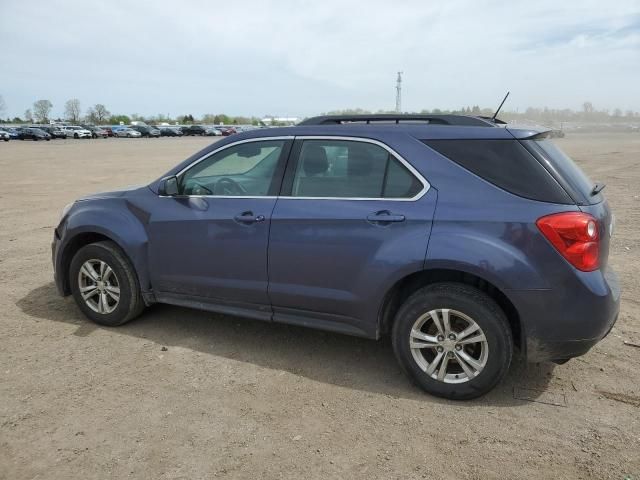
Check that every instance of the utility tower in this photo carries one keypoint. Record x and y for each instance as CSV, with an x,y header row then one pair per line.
x,y
399,93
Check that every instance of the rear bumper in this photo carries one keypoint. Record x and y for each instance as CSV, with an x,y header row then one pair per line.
x,y
568,321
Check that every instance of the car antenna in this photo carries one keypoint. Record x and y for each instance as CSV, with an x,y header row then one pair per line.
x,y
501,103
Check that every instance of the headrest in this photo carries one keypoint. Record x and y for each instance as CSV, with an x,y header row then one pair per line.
x,y
314,160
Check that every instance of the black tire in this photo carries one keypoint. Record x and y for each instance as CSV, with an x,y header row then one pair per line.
x,y
75,135
487,315
130,304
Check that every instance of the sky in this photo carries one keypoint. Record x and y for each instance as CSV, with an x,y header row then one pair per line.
x,y
299,58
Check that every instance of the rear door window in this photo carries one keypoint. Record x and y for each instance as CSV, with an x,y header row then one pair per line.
x,y
506,164
351,169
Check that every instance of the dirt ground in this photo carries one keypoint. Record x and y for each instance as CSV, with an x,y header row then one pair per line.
x,y
235,398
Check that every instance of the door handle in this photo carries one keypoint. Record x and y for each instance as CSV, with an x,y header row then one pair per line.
x,y
384,217
249,217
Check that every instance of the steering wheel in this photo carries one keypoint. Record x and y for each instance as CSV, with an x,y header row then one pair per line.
x,y
227,186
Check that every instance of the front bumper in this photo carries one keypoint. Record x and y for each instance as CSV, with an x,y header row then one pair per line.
x,y
567,322
56,257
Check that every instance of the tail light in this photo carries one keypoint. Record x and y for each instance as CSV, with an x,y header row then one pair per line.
x,y
575,235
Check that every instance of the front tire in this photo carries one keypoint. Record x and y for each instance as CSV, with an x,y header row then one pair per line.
x,y
105,285
453,340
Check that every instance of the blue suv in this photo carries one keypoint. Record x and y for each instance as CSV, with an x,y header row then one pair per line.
x,y
459,237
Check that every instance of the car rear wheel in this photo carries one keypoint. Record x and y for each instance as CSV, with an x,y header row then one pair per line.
x,y
453,340
104,284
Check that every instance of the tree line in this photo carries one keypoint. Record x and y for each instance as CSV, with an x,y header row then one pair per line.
x,y
99,114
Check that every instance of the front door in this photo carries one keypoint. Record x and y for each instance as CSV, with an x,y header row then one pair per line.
x,y
210,242
353,218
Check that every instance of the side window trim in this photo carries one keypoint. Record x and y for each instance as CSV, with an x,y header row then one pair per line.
x,y
294,158
278,175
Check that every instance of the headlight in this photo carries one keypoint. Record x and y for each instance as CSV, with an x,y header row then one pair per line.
x,y
65,210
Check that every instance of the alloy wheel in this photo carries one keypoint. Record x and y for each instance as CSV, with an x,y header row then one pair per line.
x,y
449,346
99,286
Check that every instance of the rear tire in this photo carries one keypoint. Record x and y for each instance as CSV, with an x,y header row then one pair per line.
x,y
475,348
104,266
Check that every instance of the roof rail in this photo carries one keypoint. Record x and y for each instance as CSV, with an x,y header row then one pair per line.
x,y
460,120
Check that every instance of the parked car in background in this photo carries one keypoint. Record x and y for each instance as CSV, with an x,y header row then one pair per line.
x,y
13,132
109,131
171,131
4,136
460,238
212,132
54,131
194,130
226,131
126,132
30,133
75,131
96,132
244,128
146,131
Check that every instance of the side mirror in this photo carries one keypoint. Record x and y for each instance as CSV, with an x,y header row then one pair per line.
x,y
168,186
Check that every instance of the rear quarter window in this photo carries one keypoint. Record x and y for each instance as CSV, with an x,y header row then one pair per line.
x,y
506,164
564,169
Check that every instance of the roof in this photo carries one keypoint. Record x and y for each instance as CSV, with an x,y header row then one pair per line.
x,y
451,120
383,131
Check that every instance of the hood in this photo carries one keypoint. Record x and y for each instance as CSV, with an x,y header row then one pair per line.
x,y
120,192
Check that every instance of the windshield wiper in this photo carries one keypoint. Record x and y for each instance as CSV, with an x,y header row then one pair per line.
x,y
597,188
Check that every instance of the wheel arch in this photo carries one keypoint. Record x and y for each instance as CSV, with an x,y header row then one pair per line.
x,y
404,287
80,240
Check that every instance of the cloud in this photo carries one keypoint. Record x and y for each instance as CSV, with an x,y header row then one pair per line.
x,y
304,57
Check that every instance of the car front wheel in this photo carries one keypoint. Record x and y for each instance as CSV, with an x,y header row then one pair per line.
x,y
104,284
453,340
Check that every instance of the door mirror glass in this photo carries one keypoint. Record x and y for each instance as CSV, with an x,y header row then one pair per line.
x,y
169,186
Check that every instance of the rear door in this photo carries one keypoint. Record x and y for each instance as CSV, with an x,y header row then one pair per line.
x,y
352,218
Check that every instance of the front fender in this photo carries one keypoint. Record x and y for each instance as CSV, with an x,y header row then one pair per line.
x,y
115,219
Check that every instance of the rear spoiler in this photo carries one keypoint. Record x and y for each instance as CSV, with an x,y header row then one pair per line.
x,y
536,133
